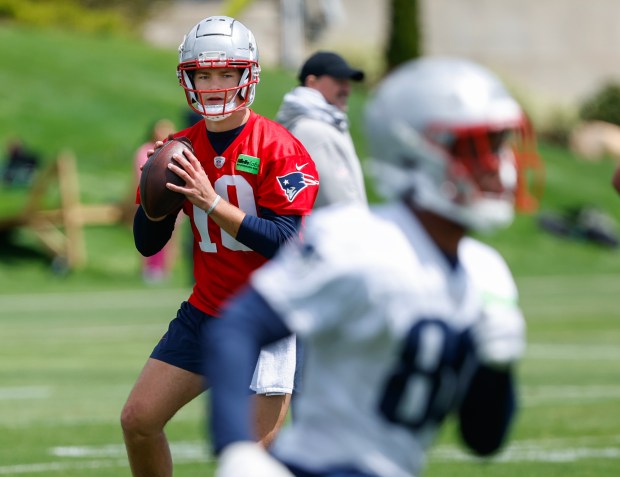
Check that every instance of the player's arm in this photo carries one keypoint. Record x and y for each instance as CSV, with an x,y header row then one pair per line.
x,y
262,234
151,236
267,233
489,405
233,344
487,410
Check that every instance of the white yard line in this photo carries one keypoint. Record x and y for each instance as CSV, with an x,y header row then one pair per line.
x,y
532,451
25,392
574,308
78,301
541,450
537,395
112,455
603,283
444,453
572,351
184,450
45,467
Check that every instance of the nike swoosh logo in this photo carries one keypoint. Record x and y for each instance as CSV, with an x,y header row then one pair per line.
x,y
299,168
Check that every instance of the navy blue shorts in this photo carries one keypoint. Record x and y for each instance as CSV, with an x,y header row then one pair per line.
x,y
181,346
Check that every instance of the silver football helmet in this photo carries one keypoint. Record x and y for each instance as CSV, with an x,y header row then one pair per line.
x,y
438,132
219,42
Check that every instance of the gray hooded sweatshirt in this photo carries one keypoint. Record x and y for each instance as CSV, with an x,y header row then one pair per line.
x,y
324,131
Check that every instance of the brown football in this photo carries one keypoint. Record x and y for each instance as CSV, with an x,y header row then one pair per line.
x,y
156,199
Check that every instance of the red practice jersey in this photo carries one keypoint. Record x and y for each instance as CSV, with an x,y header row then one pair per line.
x,y
265,166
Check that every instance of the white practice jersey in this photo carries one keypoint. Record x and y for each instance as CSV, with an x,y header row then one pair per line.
x,y
491,275
381,312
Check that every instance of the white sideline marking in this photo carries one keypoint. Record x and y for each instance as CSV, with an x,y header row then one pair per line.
x,y
113,455
529,452
110,450
543,285
533,395
58,466
573,309
26,392
580,352
193,451
78,301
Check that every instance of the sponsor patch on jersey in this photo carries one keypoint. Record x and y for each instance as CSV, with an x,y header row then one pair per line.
x,y
294,182
248,164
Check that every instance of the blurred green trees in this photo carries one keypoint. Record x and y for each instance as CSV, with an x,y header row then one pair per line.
x,y
404,40
603,105
118,16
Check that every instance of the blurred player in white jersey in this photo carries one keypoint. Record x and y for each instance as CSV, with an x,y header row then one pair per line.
x,y
404,319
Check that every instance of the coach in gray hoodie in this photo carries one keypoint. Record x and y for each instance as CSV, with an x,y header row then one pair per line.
x,y
316,113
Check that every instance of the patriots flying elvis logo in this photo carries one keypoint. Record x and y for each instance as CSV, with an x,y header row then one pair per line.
x,y
294,182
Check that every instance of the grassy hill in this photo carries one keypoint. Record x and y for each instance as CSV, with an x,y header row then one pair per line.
x,y
97,95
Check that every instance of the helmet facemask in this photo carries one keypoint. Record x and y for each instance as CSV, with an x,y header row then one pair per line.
x,y
467,175
244,89
480,175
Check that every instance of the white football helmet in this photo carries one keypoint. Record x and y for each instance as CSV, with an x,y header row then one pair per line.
x,y
219,42
437,130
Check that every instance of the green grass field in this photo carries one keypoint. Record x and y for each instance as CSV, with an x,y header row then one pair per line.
x,y
72,345
69,360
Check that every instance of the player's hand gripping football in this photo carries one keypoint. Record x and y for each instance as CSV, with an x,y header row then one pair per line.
x,y
499,336
198,188
249,459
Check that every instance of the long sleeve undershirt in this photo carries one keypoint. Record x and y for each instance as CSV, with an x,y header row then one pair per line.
x,y
262,234
487,410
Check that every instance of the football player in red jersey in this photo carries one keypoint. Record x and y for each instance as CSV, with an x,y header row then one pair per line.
x,y
248,185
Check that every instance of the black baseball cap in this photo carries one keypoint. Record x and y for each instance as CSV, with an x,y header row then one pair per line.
x,y
331,64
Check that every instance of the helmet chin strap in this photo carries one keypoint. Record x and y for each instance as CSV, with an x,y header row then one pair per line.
x,y
245,78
